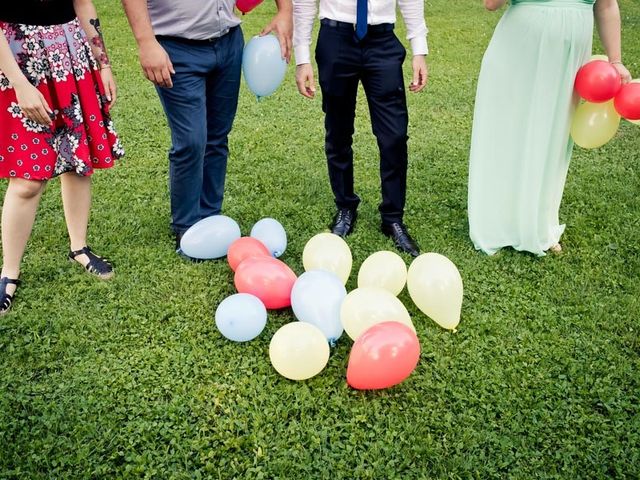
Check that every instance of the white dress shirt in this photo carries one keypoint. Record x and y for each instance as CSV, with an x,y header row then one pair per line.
x,y
379,11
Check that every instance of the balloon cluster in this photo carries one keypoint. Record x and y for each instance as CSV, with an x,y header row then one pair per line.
x,y
386,348
596,120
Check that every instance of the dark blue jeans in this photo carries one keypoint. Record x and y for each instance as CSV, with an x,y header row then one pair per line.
x,y
200,109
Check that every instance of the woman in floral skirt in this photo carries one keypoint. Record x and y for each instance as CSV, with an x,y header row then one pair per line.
x,y
56,89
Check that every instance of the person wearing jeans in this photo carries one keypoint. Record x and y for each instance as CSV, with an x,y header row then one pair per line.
x,y
192,51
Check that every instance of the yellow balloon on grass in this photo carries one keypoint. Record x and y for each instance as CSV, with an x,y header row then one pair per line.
x,y
435,286
599,57
385,270
299,351
594,124
367,306
329,252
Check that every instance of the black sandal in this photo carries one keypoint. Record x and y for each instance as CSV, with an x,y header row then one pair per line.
x,y
98,266
7,300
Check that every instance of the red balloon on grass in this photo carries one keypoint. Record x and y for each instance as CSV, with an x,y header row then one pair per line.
x,y
268,278
243,248
627,101
383,356
245,6
598,81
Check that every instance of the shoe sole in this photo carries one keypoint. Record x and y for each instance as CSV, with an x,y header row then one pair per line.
x,y
105,277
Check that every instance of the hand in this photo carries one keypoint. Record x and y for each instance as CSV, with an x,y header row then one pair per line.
x,y
33,104
282,26
304,80
622,70
110,90
156,64
420,73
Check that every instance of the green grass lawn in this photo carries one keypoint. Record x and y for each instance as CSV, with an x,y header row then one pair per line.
x,y
130,378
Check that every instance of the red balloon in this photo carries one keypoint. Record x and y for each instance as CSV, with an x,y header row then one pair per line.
x,y
627,101
243,248
246,263
245,6
268,278
383,356
598,81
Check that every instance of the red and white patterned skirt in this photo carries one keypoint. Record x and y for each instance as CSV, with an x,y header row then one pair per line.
x,y
58,61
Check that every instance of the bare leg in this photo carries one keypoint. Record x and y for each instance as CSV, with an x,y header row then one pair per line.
x,y
18,214
76,200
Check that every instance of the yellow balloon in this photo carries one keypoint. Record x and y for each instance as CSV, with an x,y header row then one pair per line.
x,y
599,57
594,124
367,306
329,252
435,286
635,122
299,351
385,270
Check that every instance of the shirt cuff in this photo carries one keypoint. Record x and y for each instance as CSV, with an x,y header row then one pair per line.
x,y
419,46
302,54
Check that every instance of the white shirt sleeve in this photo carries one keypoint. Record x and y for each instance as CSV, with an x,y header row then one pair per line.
x,y
304,14
413,14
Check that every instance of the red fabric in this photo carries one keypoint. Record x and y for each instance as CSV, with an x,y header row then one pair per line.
x,y
58,61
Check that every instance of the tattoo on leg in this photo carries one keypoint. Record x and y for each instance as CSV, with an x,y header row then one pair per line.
x,y
97,41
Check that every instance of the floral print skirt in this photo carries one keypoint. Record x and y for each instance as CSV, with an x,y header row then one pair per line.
x,y
58,61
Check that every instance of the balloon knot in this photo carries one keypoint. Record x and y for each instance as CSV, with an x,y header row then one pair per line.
x,y
332,342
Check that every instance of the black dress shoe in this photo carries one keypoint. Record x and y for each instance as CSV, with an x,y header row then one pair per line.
x,y
343,222
401,238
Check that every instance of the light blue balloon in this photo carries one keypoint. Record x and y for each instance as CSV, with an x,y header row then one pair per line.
x,y
316,298
210,237
263,65
270,232
241,317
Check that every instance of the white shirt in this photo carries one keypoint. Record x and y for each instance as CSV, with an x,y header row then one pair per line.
x,y
379,11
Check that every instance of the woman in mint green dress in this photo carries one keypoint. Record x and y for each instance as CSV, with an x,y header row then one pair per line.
x,y
520,146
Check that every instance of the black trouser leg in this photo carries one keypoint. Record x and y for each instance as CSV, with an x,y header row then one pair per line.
x,y
339,69
384,86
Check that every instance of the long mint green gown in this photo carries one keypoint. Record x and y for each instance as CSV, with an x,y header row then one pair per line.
x,y
520,145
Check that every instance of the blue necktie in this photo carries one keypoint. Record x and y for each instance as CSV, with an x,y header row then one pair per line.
x,y
361,19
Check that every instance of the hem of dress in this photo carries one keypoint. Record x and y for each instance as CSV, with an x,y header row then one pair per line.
x,y
56,175
559,230
491,252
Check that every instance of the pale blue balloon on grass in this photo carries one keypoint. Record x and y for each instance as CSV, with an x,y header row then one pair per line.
x,y
263,65
241,317
271,232
210,237
316,298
